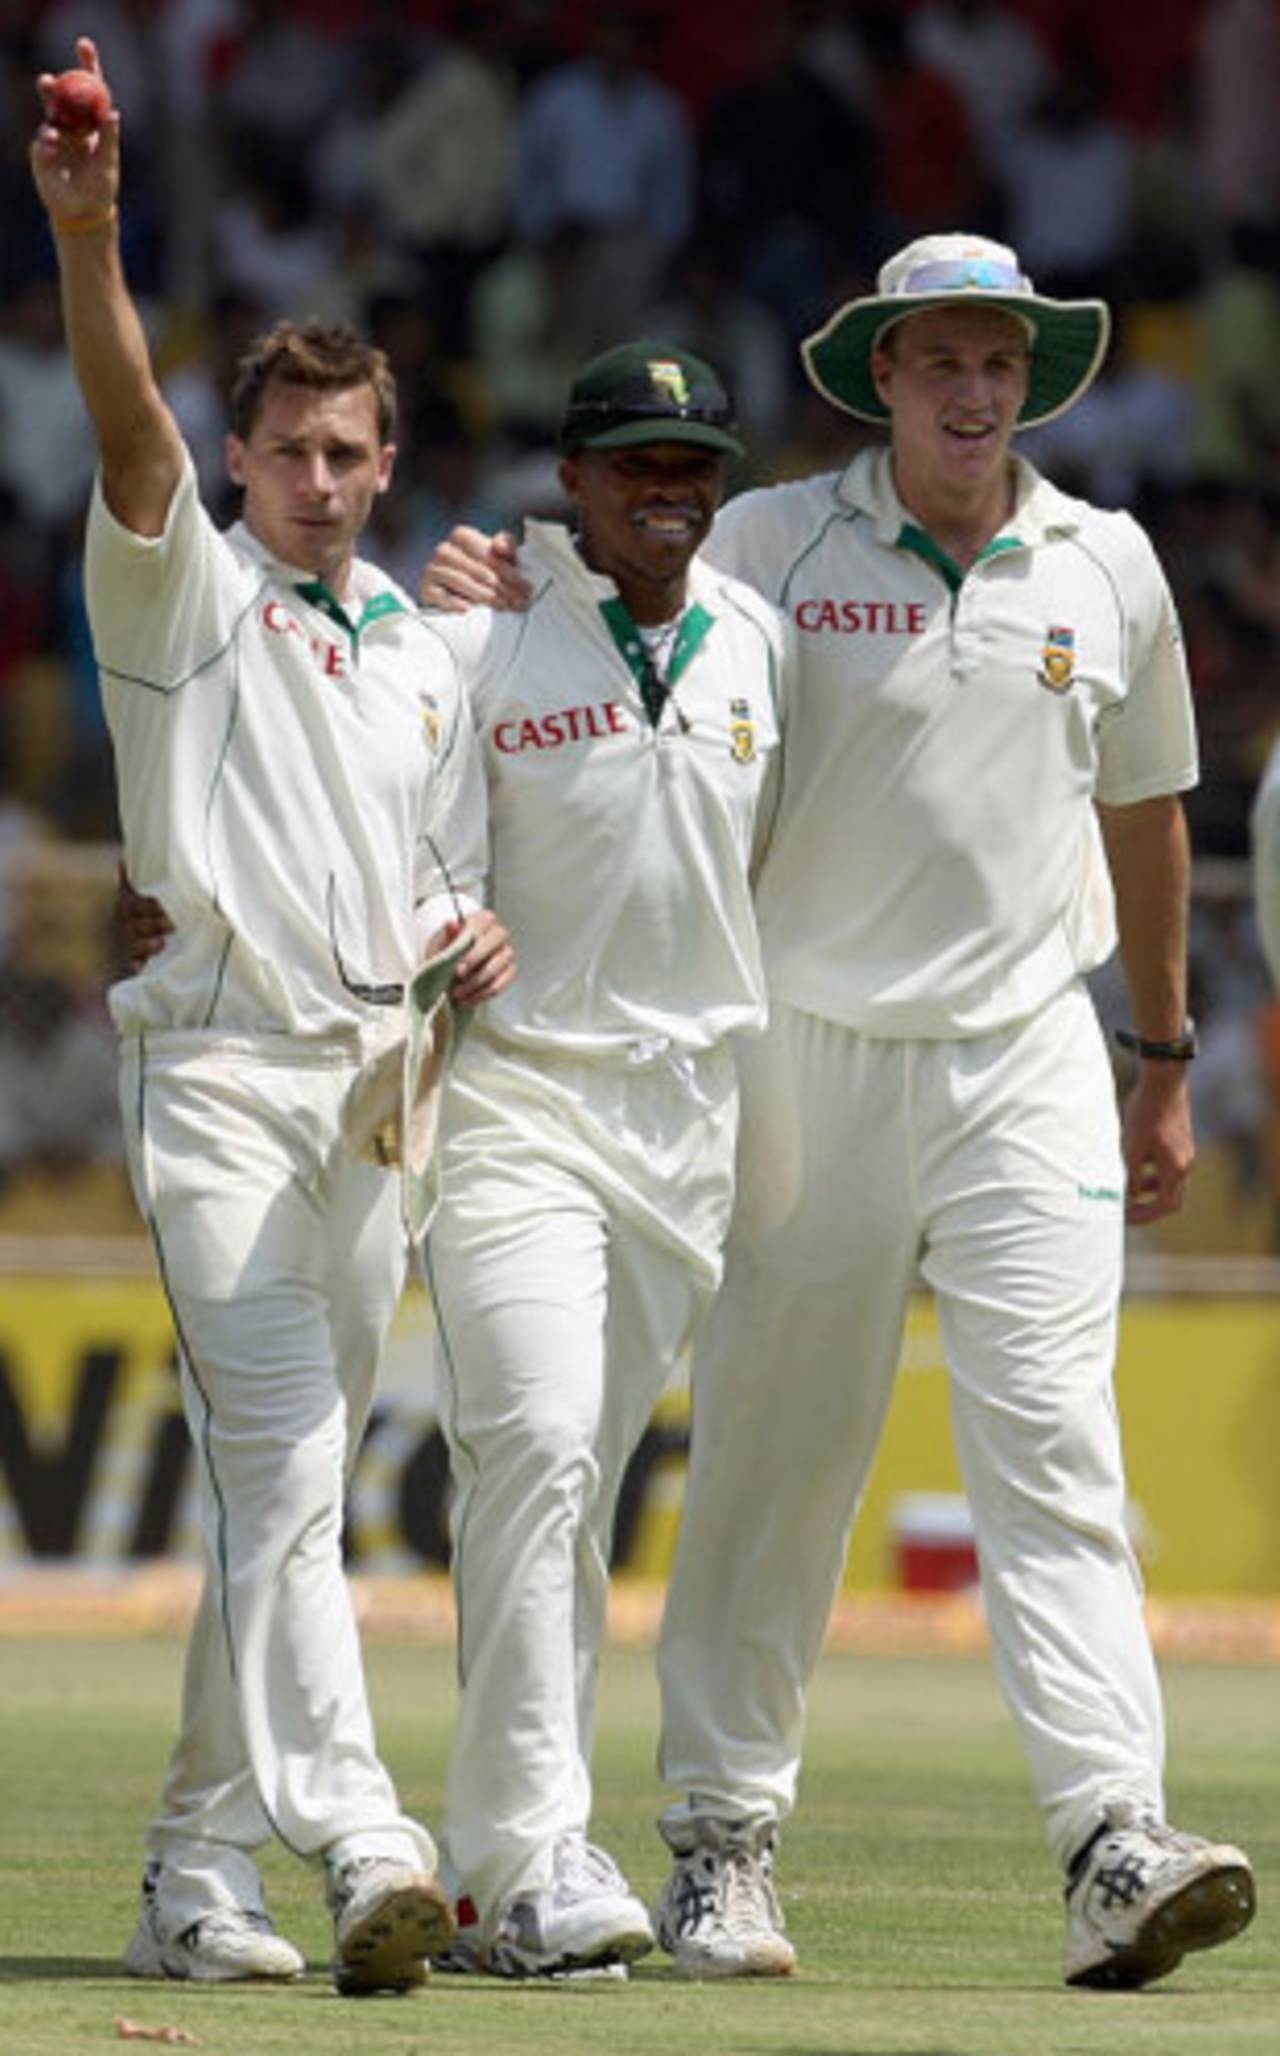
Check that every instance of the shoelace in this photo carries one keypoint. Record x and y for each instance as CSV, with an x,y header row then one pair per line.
x,y
731,1884
581,1867
1165,1837
227,1920
747,1888
1123,1881
1168,1840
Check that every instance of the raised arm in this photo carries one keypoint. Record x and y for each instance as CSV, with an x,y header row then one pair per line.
x,y
77,175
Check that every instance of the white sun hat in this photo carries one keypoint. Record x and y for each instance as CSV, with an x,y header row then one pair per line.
x,y
1068,337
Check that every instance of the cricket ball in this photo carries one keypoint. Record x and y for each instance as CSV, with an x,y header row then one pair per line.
x,y
77,100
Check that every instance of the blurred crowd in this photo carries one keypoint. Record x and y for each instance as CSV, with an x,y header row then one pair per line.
x,y
495,189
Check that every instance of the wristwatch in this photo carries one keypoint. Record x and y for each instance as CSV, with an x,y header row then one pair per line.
x,y
1179,1050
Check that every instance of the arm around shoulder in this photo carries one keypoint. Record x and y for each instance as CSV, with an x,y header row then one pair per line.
x,y
471,569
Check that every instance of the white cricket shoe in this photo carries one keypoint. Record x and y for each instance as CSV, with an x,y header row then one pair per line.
x,y
465,1957
388,1918
587,1920
719,1914
1143,1895
226,1945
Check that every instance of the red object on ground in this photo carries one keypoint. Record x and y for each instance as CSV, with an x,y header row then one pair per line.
x,y
934,1543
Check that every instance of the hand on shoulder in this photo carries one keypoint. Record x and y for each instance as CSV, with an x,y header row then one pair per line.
x,y
470,569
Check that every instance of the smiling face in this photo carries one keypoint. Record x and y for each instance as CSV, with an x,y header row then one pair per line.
x,y
954,379
644,511
311,467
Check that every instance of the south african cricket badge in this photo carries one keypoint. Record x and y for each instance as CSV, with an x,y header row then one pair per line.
x,y
742,733
430,713
1058,659
668,380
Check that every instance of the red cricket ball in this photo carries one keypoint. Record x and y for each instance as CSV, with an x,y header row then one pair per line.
x,y
77,100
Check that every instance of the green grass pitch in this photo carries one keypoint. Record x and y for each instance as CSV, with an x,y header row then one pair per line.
x,y
916,1886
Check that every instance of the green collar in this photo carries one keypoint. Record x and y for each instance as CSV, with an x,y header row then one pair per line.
x,y
694,624
914,538
317,594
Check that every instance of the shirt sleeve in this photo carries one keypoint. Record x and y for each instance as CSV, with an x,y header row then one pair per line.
x,y
160,606
1147,744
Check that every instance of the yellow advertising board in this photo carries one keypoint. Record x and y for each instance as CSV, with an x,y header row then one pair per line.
x,y
94,1464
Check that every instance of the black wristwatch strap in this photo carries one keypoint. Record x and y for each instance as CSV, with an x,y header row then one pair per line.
x,y
1179,1051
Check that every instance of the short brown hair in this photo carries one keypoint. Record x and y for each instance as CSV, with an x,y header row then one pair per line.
x,y
326,357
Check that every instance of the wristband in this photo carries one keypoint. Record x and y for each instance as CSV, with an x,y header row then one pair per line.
x,y
74,225
1180,1050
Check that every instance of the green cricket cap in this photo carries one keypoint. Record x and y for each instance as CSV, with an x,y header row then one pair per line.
x,y
648,392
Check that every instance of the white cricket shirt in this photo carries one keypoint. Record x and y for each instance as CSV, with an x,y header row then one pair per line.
x,y
936,866
622,852
295,778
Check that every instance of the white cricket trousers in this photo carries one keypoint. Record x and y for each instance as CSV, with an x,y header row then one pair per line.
x,y
578,1243
995,1166
283,1259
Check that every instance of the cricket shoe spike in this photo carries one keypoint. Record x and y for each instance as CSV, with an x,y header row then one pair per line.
x,y
388,1918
